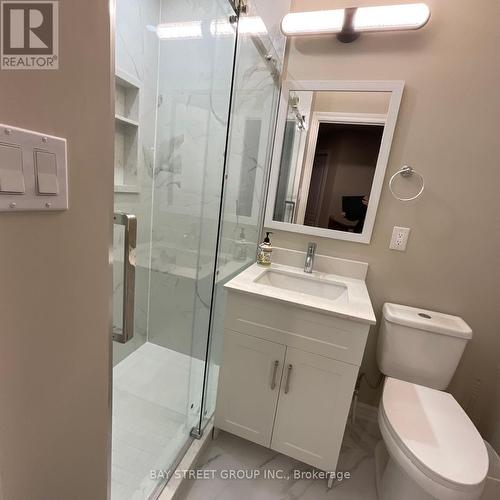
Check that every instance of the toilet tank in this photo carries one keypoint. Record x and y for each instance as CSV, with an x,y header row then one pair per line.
x,y
422,347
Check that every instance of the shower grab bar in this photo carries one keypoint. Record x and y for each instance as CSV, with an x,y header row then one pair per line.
x,y
129,221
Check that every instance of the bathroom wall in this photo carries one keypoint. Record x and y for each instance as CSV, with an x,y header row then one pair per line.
x,y
194,87
448,130
56,278
136,58
193,102
493,422
352,102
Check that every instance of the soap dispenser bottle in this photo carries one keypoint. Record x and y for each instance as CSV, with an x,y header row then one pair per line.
x,y
240,247
265,251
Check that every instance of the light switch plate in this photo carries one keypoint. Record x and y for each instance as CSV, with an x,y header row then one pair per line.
x,y
32,143
399,238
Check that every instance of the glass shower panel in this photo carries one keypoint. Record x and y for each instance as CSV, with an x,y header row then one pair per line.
x,y
136,69
174,67
195,78
253,115
137,436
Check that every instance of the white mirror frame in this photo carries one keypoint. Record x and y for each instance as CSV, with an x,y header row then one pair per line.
x,y
395,87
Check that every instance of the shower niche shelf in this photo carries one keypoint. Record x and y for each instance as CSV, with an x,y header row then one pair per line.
x,y
127,130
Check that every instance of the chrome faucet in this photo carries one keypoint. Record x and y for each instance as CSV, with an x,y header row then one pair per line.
x,y
311,252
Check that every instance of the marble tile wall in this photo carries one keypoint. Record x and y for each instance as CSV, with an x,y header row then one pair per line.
x,y
185,86
195,75
136,55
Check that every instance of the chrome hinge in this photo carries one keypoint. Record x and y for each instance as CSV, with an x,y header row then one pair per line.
x,y
196,433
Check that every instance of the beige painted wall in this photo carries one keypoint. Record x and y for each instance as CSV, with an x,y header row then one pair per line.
x,y
55,278
448,129
494,415
352,102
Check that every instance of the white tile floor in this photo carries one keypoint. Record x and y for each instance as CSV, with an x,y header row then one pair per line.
x,y
153,390
231,453
152,417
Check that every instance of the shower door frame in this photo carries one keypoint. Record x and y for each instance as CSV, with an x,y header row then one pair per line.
x,y
272,62
197,431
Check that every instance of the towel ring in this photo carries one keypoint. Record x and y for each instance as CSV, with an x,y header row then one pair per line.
x,y
406,171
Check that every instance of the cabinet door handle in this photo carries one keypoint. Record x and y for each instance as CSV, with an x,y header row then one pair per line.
x,y
275,372
287,383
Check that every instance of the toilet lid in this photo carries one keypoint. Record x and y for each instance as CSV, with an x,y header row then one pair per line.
x,y
435,433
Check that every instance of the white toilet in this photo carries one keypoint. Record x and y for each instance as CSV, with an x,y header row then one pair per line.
x,y
432,449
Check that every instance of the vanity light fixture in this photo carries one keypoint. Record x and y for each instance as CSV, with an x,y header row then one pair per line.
x,y
349,23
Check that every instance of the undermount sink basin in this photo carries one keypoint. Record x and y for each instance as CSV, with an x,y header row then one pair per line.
x,y
302,284
334,293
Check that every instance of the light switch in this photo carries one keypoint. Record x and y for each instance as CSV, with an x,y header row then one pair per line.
x,y
46,173
33,171
11,169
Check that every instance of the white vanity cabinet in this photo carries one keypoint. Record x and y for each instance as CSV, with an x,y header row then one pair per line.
x,y
313,406
250,380
287,377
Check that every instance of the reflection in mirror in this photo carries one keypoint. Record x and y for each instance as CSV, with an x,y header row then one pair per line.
x,y
330,153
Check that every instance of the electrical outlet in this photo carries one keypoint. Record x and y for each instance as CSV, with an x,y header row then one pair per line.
x,y
399,238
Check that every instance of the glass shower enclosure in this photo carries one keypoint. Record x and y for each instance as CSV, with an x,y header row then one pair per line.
x,y
195,102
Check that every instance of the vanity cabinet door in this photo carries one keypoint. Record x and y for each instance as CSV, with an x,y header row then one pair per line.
x,y
315,398
249,386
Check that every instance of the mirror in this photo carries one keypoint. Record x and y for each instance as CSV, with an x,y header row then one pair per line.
x,y
331,150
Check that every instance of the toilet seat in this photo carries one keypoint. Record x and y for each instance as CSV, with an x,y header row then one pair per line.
x,y
433,440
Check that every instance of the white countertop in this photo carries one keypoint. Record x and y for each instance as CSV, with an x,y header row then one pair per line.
x,y
354,305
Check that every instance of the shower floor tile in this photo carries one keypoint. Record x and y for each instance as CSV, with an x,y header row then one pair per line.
x,y
152,416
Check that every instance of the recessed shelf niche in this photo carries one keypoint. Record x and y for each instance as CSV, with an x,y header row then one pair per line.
x,y
127,98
